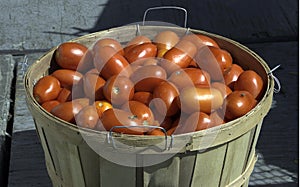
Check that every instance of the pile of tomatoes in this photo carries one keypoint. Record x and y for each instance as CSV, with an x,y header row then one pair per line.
x,y
180,83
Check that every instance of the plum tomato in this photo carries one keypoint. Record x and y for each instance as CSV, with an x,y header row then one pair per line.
x,y
200,40
198,121
93,86
118,90
140,110
181,55
223,88
108,62
47,88
69,54
200,99
116,117
64,95
166,39
189,77
108,42
136,41
67,77
232,75
167,93
238,103
49,105
143,97
67,111
146,78
250,81
87,117
141,51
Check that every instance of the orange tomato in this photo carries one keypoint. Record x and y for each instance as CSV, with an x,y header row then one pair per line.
x,y
102,106
49,105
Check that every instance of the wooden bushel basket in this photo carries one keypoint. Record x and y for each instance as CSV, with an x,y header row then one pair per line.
x,y
227,161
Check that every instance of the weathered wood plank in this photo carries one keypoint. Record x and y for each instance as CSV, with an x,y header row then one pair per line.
x,y
6,76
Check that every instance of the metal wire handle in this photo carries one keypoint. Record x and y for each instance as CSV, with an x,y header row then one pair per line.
x,y
276,90
166,7
110,138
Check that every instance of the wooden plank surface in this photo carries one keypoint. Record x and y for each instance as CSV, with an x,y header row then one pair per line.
x,y
6,81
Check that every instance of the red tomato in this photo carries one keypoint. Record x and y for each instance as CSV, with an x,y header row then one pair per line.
x,y
64,95
146,78
181,55
143,97
250,81
108,62
49,105
46,89
141,51
136,41
193,99
165,95
93,86
67,78
189,77
87,62
238,103
223,88
117,117
67,111
232,75
198,121
69,54
87,117
223,57
140,110
200,40
166,39
108,42
118,90
156,132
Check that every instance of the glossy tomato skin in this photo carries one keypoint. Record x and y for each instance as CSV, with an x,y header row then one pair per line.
x,y
67,78
146,78
49,105
232,75
250,81
223,57
64,95
141,51
69,54
200,40
87,117
93,86
118,90
165,96
108,62
189,77
164,41
223,88
102,106
198,121
200,99
238,103
136,41
143,97
67,111
108,42
140,110
47,88
181,55
117,117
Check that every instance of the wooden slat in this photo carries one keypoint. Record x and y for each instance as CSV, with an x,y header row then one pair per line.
x,y
166,173
235,158
75,166
208,167
187,169
115,175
